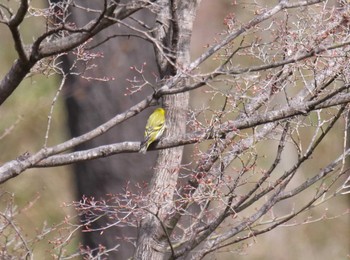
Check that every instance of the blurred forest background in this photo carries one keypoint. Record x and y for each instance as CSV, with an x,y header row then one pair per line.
x,y
41,194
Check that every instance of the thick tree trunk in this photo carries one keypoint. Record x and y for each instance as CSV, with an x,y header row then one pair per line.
x,y
90,103
176,21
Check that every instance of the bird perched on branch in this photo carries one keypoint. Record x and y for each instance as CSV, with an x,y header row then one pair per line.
x,y
154,128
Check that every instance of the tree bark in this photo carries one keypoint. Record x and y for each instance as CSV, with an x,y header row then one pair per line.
x,y
176,21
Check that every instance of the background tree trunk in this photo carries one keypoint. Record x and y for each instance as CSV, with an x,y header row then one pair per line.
x,y
90,103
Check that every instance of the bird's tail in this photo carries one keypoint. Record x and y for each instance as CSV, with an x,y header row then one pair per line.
x,y
143,148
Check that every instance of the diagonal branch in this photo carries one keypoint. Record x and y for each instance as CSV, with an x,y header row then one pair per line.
x,y
13,169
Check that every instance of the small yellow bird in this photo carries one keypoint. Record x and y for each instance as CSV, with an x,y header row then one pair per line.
x,y
154,128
